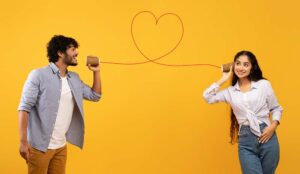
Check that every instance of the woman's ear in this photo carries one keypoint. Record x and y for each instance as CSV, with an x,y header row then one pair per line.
x,y
254,67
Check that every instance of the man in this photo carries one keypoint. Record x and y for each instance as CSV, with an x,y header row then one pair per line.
x,y
50,110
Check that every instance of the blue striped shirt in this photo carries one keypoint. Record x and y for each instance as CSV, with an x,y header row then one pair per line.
x,y
40,98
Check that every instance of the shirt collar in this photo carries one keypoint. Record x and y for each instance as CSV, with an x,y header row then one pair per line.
x,y
254,85
56,70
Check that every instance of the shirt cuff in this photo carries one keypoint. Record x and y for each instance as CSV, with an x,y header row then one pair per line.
x,y
214,88
23,108
276,116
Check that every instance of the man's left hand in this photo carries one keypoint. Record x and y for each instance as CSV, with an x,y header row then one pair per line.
x,y
94,68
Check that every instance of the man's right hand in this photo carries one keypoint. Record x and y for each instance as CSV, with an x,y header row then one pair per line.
x,y
25,150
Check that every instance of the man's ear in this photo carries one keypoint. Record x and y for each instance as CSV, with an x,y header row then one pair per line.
x,y
60,54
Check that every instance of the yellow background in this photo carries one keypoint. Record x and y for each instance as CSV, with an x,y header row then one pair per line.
x,y
152,119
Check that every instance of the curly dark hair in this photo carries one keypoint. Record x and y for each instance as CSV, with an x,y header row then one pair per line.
x,y
59,43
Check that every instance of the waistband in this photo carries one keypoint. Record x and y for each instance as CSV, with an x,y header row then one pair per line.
x,y
261,125
247,122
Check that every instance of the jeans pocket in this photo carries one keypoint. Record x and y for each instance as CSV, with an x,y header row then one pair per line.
x,y
244,132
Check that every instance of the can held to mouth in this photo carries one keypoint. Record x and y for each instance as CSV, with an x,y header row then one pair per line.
x,y
92,60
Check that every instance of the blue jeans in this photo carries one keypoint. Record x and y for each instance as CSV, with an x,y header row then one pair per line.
x,y
255,157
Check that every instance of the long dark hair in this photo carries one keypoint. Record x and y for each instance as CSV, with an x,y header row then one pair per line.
x,y
255,75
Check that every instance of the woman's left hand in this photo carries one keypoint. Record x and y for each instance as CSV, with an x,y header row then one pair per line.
x,y
268,132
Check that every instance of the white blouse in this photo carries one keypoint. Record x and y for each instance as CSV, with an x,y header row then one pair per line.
x,y
250,108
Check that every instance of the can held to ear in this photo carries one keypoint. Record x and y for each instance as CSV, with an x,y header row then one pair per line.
x,y
226,67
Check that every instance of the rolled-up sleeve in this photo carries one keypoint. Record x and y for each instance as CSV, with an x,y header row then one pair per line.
x,y
30,92
89,93
272,102
213,95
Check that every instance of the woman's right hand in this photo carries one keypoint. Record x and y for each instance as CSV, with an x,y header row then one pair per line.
x,y
226,76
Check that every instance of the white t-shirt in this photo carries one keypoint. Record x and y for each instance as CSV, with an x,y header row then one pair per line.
x,y
64,116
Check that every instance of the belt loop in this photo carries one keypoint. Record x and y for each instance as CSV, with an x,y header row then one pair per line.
x,y
239,129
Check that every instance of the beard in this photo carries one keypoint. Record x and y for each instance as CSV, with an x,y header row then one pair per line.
x,y
70,61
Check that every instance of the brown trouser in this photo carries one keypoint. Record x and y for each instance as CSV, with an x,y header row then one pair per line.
x,y
51,162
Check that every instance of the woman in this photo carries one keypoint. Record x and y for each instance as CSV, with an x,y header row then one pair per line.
x,y
251,98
